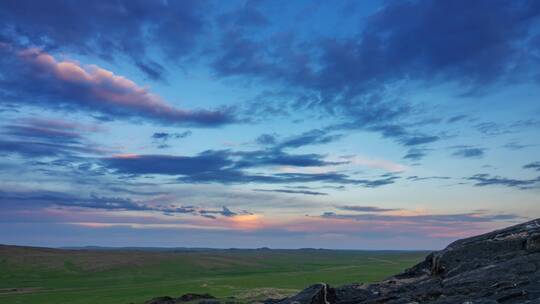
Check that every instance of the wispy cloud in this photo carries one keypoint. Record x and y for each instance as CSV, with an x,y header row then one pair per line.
x,y
489,180
48,137
533,165
290,191
46,199
162,138
370,209
468,152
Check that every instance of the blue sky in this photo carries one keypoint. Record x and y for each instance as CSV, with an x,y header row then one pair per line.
x,y
370,125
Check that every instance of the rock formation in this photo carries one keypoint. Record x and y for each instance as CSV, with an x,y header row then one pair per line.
x,y
502,266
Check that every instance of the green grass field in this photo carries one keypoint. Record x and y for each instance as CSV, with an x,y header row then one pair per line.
x,y
35,275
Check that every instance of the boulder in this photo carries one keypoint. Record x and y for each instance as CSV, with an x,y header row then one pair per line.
x,y
319,293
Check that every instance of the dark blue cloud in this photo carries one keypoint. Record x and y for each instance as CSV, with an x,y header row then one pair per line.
x,y
533,165
153,70
290,191
404,136
492,128
38,199
161,138
419,140
516,145
415,178
312,137
488,180
228,167
41,138
456,118
266,139
495,128
54,134
369,209
41,149
279,158
224,212
208,161
166,136
416,154
469,152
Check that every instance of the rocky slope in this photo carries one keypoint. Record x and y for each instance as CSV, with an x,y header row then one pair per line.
x,y
502,266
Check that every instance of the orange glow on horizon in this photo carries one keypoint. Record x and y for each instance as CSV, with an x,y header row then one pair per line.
x,y
246,221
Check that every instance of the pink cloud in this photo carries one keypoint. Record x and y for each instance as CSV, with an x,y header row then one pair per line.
x,y
90,87
376,163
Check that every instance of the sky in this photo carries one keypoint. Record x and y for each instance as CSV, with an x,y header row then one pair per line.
x,y
281,124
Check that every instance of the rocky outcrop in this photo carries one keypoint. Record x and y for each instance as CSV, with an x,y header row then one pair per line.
x,y
498,267
319,293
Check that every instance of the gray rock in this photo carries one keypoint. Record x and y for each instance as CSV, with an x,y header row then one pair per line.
x,y
314,294
502,266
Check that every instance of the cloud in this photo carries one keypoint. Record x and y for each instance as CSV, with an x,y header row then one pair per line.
x,y
171,28
224,212
517,146
312,137
232,176
266,139
47,137
415,178
469,152
161,138
27,200
456,118
403,136
426,48
289,191
416,154
370,209
419,140
357,77
228,167
494,128
488,180
533,165
166,136
425,218
38,79
273,157
375,163
208,161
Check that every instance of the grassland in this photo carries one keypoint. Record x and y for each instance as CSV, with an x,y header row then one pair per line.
x,y
39,275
